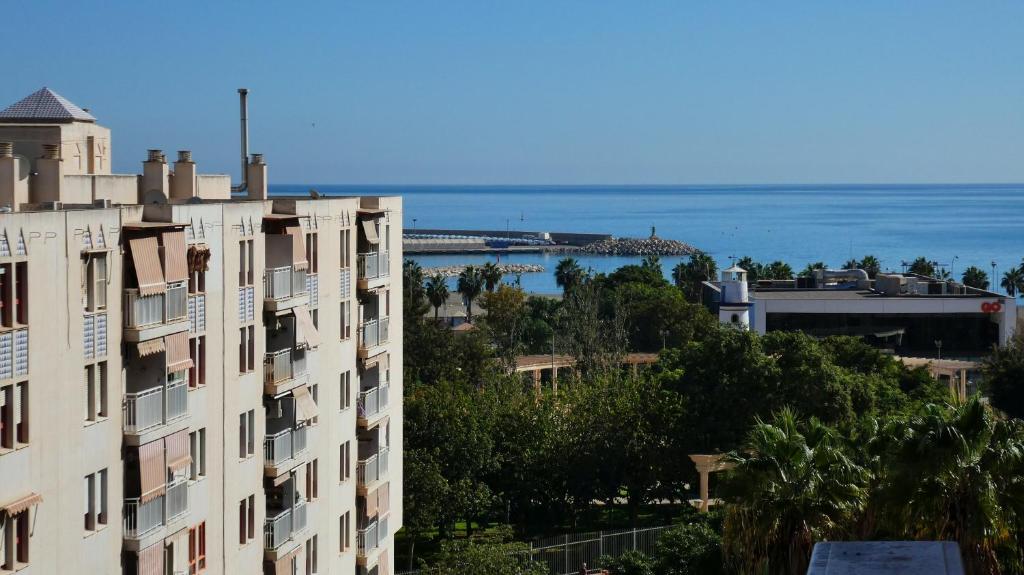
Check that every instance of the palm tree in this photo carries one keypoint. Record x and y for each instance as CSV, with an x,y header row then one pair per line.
x,y
471,283
690,275
792,485
975,277
568,274
954,474
1013,281
809,270
871,265
923,266
492,275
437,292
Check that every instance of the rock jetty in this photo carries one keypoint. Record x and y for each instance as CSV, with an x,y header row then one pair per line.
x,y
652,246
506,269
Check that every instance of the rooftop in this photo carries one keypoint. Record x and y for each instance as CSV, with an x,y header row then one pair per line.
x,y
44,105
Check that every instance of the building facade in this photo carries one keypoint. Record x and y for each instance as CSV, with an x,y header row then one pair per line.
x,y
191,380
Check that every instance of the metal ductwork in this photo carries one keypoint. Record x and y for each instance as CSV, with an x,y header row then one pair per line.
x,y
243,104
823,277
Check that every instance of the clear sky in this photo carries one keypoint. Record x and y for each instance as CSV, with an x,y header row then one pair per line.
x,y
481,92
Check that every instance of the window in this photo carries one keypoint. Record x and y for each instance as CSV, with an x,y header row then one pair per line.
x,y
15,541
344,529
346,390
94,282
13,415
312,252
246,434
246,349
197,282
346,466
21,292
197,449
346,319
315,313
346,245
246,519
96,391
197,352
7,296
95,500
197,548
314,392
312,472
311,558
245,263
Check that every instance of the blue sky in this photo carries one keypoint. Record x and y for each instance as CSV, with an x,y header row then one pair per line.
x,y
481,92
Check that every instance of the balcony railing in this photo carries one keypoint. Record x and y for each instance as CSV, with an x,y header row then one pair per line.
x,y
197,313
156,406
283,365
14,353
374,332
283,283
372,265
141,518
284,445
313,288
372,401
281,527
373,468
367,538
94,334
246,306
148,310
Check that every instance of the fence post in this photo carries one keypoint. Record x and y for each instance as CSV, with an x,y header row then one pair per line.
x,y
600,543
634,539
567,553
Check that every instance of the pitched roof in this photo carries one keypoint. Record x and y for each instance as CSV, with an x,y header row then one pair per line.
x,y
44,105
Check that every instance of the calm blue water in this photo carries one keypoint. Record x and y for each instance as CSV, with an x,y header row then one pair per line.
x,y
959,225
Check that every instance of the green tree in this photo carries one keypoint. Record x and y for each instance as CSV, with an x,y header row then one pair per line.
x,y
470,284
755,270
505,321
691,274
569,275
792,485
1013,281
809,270
923,266
658,317
491,274
472,557
414,303
629,563
1003,372
423,495
871,265
436,289
689,549
777,270
975,277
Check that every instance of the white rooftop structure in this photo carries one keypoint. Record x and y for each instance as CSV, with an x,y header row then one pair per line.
x,y
886,558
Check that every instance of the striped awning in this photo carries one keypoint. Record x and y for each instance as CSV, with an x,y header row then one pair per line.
x,y
177,450
384,563
305,407
371,504
298,247
175,263
177,352
152,471
151,347
148,270
384,498
151,559
307,334
379,361
370,231
22,503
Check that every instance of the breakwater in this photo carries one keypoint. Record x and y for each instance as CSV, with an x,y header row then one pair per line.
x,y
652,246
506,269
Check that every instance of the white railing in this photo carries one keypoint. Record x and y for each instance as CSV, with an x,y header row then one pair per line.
x,y
382,462
94,334
246,305
280,528
283,282
282,365
372,265
169,306
344,282
313,288
366,538
382,527
284,445
373,468
141,518
374,332
197,313
155,406
177,500
372,401
13,353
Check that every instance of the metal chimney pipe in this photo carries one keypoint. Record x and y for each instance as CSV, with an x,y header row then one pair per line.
x,y
243,96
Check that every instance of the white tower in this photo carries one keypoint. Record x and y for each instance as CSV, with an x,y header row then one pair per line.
x,y
734,309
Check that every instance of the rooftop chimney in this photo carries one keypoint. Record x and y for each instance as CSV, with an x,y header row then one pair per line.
x,y
243,105
183,181
49,176
256,177
155,178
13,185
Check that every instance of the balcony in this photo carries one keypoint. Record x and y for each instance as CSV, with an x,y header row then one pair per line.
x,y
368,538
372,270
284,288
142,519
14,353
371,405
281,530
155,412
157,315
284,370
284,450
373,335
371,470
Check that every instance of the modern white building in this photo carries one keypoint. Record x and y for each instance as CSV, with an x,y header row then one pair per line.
x,y
191,380
911,315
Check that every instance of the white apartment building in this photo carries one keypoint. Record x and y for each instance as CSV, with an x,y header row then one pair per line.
x,y
191,381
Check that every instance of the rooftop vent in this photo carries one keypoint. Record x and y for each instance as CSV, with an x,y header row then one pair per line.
x,y
184,155
257,159
155,156
6,149
51,151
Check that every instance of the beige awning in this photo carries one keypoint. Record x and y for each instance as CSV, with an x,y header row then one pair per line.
x,y
148,270
281,479
283,565
175,263
151,346
305,407
384,563
22,503
298,247
177,449
151,559
152,471
307,333
370,231
371,504
179,544
177,352
384,498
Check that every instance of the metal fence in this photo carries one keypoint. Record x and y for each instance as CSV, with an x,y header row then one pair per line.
x,y
566,554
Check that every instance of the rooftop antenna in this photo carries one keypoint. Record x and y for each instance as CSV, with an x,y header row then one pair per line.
x,y
243,104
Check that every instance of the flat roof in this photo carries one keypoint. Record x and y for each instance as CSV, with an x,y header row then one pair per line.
x,y
854,294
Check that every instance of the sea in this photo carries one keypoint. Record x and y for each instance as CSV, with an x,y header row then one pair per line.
x,y
955,225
